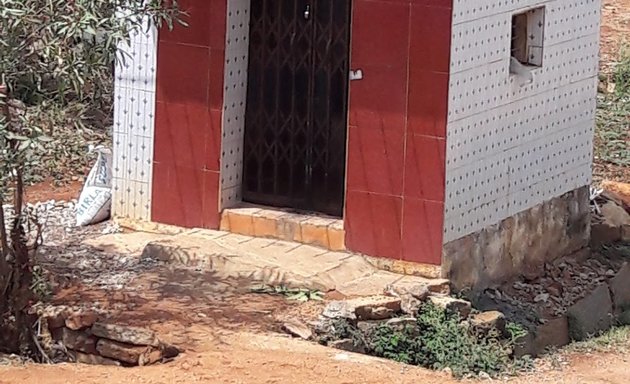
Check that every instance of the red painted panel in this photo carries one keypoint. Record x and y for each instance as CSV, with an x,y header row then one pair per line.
x,y
430,40
403,49
180,132
375,161
177,195
188,117
379,100
213,140
428,102
218,23
425,168
372,224
422,231
380,33
198,16
182,74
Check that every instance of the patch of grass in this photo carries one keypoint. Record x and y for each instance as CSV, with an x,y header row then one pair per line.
x,y
296,294
614,340
621,73
439,340
612,136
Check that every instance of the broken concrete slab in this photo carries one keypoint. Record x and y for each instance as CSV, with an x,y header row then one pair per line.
x,y
275,262
591,315
620,289
461,307
125,334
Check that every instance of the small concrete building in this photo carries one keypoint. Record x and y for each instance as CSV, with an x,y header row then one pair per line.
x,y
447,137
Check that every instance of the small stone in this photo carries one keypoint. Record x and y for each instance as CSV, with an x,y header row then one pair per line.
x,y
486,321
409,304
339,310
401,323
364,308
150,356
555,289
541,297
80,320
439,286
298,328
461,307
346,345
418,290
610,273
124,334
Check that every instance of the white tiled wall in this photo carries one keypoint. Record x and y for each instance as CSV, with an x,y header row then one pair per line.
x,y
512,145
234,101
134,119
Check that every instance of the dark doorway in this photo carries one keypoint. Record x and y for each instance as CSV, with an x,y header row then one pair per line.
x,y
295,125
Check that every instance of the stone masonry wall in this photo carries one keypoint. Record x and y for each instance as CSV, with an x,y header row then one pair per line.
x,y
520,244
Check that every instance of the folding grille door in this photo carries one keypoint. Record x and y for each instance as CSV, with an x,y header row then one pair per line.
x,y
295,126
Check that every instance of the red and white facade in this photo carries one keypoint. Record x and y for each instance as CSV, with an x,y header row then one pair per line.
x,y
442,139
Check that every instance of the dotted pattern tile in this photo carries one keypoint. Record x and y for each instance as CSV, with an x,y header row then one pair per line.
x,y
134,120
234,101
512,144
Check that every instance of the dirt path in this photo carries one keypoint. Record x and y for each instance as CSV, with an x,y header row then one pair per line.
x,y
231,336
260,358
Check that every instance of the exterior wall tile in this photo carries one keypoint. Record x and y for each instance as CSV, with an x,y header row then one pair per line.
x,y
513,145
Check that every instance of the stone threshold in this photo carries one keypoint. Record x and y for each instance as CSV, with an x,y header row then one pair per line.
x,y
312,229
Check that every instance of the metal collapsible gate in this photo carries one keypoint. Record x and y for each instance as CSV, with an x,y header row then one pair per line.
x,y
296,120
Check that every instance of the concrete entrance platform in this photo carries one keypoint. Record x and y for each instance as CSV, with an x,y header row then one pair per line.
x,y
260,261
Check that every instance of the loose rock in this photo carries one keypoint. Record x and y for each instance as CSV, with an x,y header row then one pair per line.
x,y
346,345
461,307
591,315
365,308
486,321
298,328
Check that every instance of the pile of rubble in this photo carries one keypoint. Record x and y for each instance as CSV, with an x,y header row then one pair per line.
x,y
79,336
396,308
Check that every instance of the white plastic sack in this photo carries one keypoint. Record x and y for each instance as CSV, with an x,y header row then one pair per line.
x,y
95,202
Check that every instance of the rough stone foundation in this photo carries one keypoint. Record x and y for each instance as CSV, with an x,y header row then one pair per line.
x,y
520,244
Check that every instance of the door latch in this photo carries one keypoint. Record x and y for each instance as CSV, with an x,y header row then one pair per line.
x,y
307,12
